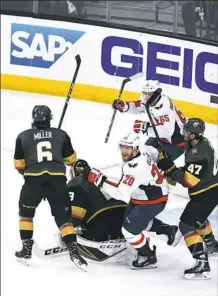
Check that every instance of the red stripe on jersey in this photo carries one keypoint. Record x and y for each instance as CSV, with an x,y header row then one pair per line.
x,y
138,242
149,202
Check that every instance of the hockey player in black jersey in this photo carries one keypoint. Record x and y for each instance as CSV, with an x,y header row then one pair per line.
x,y
40,156
200,176
100,216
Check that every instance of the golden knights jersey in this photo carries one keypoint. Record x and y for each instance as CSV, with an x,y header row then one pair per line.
x,y
43,151
87,201
200,167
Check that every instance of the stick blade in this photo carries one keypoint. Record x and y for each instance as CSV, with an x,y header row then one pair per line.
x,y
78,59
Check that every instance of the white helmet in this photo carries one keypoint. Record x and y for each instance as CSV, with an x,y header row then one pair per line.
x,y
131,140
151,86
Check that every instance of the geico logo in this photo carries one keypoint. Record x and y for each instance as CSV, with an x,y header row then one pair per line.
x,y
174,65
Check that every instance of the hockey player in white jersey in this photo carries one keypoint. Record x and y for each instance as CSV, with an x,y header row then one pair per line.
x,y
166,117
144,185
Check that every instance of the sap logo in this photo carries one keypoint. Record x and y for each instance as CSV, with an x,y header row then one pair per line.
x,y
127,57
38,46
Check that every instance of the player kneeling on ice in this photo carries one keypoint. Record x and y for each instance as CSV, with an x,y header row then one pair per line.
x,y
165,115
200,176
142,182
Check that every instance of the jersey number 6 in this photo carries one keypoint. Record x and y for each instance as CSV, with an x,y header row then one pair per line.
x,y
43,151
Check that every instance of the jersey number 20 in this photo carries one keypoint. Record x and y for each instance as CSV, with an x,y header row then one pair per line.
x,y
44,151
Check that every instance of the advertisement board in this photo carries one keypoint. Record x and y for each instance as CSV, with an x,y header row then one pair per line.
x,y
38,56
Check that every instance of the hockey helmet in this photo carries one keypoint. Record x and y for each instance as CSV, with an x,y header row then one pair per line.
x,y
151,91
151,86
194,126
41,116
130,140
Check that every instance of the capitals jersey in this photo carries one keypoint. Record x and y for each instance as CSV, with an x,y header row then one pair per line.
x,y
166,117
141,180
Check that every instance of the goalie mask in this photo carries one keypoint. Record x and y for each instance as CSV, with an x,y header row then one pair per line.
x,y
78,168
129,146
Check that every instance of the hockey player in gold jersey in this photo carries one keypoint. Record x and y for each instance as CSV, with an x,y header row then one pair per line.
x,y
200,176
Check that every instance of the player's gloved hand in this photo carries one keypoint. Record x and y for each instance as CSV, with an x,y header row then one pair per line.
x,y
140,126
96,177
165,164
171,181
120,105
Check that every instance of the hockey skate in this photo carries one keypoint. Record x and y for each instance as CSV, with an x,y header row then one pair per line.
x,y
25,254
200,270
146,258
174,235
76,257
212,247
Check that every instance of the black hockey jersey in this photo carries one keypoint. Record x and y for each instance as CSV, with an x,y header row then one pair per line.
x,y
200,167
43,151
87,201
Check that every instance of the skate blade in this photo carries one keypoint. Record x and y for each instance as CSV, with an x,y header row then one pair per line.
x,y
150,266
83,267
177,239
23,261
199,276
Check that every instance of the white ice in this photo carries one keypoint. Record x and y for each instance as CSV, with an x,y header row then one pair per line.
x,y
87,124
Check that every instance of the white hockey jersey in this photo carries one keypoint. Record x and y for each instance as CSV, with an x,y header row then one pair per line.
x,y
141,180
166,117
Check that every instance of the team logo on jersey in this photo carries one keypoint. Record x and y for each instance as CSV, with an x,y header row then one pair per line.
x,y
158,107
134,165
194,151
39,46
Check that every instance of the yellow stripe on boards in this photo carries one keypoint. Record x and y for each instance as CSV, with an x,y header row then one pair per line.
x,y
95,94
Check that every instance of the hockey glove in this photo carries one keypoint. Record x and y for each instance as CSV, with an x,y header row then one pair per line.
x,y
166,164
171,181
120,105
96,177
141,126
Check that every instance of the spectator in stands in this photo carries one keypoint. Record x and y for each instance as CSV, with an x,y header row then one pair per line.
x,y
193,11
22,6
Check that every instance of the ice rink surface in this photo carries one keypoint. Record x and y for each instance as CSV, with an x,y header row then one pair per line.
x,y
87,124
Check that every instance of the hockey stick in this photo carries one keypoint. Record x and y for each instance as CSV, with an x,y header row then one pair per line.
x,y
153,126
86,250
126,80
78,63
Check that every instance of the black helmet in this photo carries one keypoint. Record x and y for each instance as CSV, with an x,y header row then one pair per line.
x,y
41,115
79,167
194,126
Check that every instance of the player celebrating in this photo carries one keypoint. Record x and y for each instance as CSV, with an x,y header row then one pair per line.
x,y
200,176
166,117
142,182
40,155
101,217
